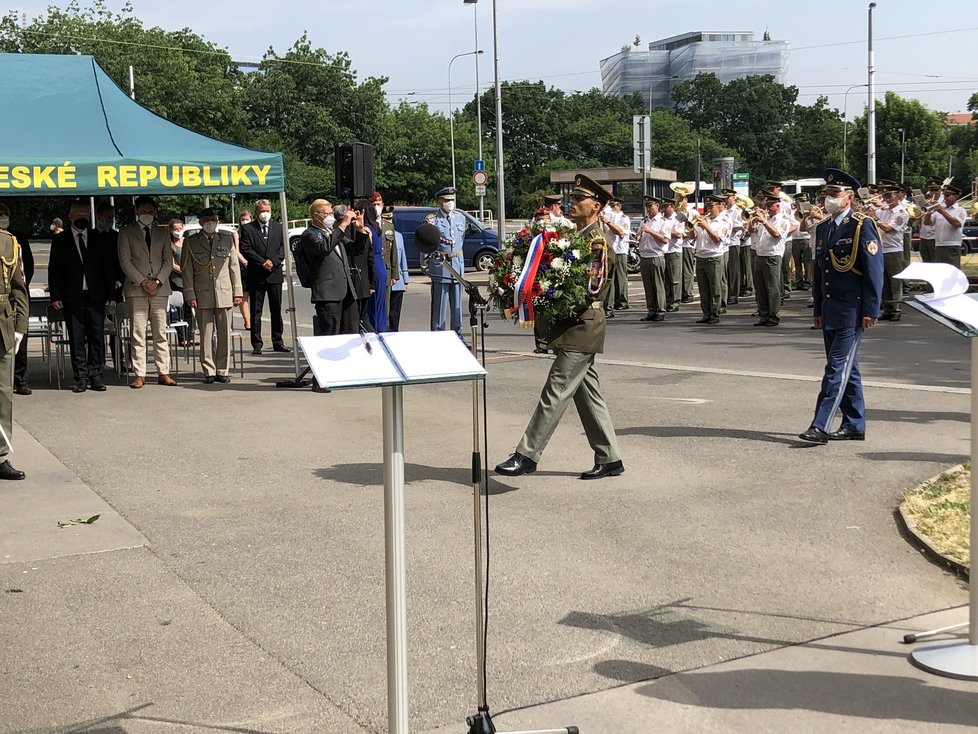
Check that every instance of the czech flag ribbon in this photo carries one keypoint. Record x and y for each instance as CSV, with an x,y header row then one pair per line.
x,y
523,290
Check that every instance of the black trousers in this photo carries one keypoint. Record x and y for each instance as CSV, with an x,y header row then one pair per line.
x,y
20,364
85,320
256,295
394,310
336,317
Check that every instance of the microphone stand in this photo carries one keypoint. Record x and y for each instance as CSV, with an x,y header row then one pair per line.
x,y
481,721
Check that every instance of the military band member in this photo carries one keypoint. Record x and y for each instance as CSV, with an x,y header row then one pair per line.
x,y
689,253
947,218
212,286
572,376
772,226
620,225
451,224
847,288
552,203
891,221
710,242
927,242
731,272
13,326
672,228
801,249
653,238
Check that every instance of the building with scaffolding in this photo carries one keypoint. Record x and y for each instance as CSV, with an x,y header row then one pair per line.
x,y
667,62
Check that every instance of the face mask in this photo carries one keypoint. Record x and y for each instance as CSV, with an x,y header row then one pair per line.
x,y
209,227
329,220
833,205
264,217
243,222
176,234
4,222
448,207
378,210
146,219
53,227
81,223
106,224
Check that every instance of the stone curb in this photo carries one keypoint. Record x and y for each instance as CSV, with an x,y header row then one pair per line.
x,y
923,542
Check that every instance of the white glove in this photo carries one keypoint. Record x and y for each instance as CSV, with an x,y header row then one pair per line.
x,y
18,338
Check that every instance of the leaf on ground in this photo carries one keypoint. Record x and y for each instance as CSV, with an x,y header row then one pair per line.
x,y
164,622
13,591
78,521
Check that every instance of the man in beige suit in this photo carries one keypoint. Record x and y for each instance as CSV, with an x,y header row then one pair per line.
x,y
146,260
212,286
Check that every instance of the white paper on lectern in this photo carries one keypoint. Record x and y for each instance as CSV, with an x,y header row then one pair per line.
x,y
950,286
432,356
343,361
944,278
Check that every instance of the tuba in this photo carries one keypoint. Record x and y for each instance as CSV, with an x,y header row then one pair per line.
x,y
744,202
682,190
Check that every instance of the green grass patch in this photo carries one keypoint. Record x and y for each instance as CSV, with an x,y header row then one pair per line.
x,y
940,510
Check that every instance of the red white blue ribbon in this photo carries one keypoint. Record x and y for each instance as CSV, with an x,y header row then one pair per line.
x,y
523,291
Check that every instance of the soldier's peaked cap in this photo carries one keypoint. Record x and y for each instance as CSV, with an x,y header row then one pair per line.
x,y
584,186
838,179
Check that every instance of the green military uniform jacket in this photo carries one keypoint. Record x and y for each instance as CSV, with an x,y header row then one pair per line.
x,y
211,275
13,291
389,250
585,331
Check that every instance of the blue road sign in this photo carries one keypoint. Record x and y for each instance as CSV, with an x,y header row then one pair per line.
x,y
479,166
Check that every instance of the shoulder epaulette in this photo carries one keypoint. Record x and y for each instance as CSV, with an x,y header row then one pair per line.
x,y
858,216
430,218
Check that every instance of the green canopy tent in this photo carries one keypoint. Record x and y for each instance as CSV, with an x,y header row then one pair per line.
x,y
69,130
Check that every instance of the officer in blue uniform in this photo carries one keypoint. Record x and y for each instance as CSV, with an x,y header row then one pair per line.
x,y
847,288
451,226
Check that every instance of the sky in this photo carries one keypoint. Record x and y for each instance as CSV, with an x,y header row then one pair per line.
x,y
922,52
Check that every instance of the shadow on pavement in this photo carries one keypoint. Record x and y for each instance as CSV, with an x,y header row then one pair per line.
x,y
787,439
842,694
107,725
372,475
946,459
909,416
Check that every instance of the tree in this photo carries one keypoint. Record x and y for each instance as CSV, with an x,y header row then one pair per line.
x,y
927,141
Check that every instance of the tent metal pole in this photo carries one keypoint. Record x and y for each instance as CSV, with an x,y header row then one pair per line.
x,y
288,280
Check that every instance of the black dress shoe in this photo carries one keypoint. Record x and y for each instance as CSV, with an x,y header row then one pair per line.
x,y
609,314
762,322
281,348
256,352
895,317
80,386
885,317
23,389
8,472
516,465
702,321
659,317
209,380
814,435
771,322
847,434
96,384
714,320
540,350
222,378
672,309
686,299
612,469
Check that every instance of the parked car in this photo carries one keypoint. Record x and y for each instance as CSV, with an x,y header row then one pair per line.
x,y
481,242
969,236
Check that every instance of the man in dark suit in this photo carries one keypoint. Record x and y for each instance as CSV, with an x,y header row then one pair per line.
x,y
21,385
328,246
362,265
260,242
81,276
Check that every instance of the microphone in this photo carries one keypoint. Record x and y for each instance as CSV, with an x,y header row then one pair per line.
x,y
427,237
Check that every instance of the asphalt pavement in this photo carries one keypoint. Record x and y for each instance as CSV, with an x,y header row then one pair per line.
x,y
733,579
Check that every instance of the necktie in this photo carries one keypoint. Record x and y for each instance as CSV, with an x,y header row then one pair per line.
x,y
149,238
81,246
832,229
264,231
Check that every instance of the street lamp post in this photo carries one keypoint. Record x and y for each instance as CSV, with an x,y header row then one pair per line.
x,y
845,123
871,105
648,163
451,111
903,151
478,94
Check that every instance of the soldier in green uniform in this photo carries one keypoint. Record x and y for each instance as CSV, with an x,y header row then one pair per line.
x,y
572,377
13,326
212,286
